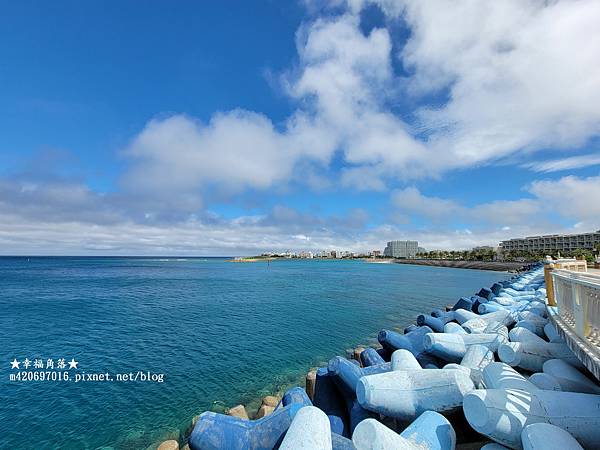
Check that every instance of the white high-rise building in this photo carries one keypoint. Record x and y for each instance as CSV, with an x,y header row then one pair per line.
x,y
401,249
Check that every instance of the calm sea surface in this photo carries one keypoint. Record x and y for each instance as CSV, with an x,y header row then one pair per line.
x,y
221,333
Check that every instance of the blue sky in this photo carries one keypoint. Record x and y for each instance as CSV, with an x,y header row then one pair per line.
x,y
230,128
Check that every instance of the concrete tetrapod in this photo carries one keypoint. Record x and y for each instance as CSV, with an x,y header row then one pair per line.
x,y
404,360
328,398
341,443
514,293
520,297
505,299
532,355
453,327
478,324
346,376
462,315
496,288
446,316
436,320
552,334
221,432
296,395
497,328
530,320
477,302
520,334
412,342
531,326
435,323
545,381
490,307
370,357
533,317
463,303
452,347
569,378
357,413
406,393
309,431
499,375
411,327
477,358
430,431
502,414
538,308
543,436
473,363
493,446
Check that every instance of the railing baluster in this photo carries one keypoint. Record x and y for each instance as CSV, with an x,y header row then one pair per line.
x,y
579,316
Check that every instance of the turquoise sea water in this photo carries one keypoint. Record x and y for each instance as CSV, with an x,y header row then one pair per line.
x,y
221,333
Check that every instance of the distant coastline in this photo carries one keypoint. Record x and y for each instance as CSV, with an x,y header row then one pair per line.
x,y
250,259
500,266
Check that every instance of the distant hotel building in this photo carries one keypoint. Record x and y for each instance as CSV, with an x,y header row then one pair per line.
x,y
401,249
483,247
552,242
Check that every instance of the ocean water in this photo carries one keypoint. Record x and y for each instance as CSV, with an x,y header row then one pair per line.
x,y
219,333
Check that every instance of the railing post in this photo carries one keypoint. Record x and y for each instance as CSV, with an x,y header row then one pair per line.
x,y
548,268
580,311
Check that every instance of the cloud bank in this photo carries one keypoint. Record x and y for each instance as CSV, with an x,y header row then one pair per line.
x,y
469,84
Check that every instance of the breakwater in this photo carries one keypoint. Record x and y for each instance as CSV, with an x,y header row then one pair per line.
x,y
490,369
501,266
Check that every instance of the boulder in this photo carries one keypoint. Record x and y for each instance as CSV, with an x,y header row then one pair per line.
x,y
238,411
264,411
357,352
270,400
169,445
311,379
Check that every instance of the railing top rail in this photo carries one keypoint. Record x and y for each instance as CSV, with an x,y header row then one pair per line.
x,y
585,278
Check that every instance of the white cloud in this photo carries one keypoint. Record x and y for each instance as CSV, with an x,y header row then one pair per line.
x,y
576,200
240,236
342,81
572,197
411,200
75,230
237,150
499,213
572,162
521,75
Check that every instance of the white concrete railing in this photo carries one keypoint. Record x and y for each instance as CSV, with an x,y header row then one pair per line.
x,y
574,265
577,295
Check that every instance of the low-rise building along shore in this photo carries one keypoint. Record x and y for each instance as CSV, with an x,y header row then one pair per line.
x,y
552,242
